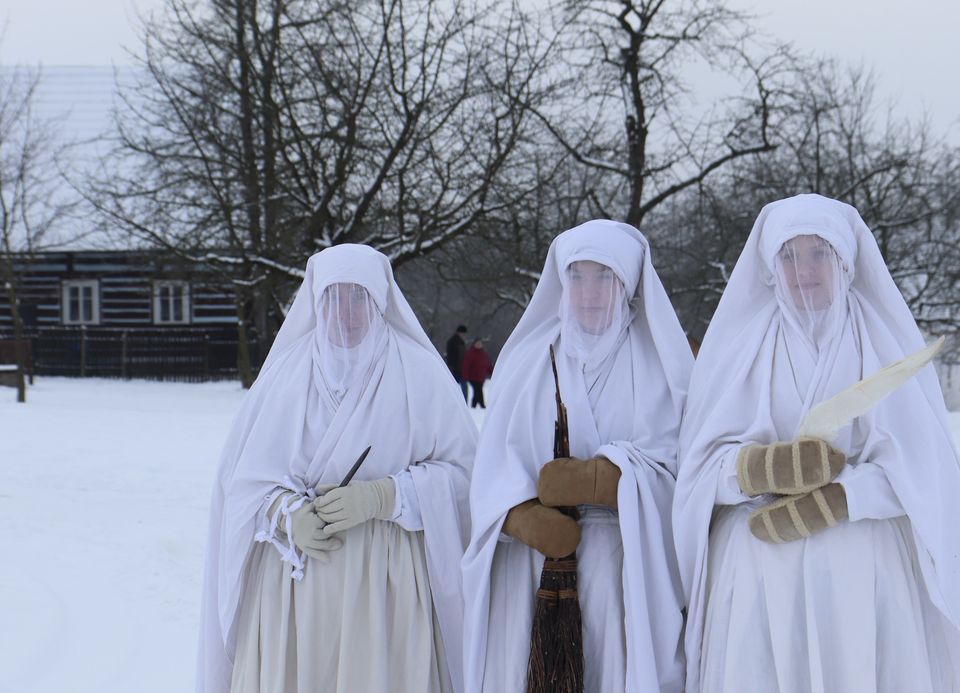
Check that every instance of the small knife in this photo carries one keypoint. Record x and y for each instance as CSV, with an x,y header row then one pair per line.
x,y
356,466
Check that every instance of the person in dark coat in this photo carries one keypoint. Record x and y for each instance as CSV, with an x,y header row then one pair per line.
x,y
456,350
477,367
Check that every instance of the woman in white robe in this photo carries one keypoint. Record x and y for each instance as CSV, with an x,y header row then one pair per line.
x,y
623,365
352,589
869,600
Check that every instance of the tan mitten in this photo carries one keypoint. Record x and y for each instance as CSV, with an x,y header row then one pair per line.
x,y
797,517
547,530
788,468
571,481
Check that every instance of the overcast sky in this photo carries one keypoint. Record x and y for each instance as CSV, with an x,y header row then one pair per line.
x,y
913,46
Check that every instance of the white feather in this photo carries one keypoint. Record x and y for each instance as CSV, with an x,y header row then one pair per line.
x,y
825,420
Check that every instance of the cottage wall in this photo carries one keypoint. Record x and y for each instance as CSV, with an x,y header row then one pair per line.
x,y
125,289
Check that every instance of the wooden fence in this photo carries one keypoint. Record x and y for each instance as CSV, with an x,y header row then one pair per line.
x,y
180,354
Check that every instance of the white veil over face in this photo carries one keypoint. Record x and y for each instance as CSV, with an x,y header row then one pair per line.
x,y
811,287
350,332
594,311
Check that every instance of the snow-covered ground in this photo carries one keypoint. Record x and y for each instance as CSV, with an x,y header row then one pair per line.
x,y
104,487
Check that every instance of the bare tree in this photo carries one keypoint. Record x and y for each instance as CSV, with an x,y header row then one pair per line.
x,y
267,130
836,140
619,133
32,203
627,113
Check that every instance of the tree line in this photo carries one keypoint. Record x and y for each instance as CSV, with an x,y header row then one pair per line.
x,y
459,136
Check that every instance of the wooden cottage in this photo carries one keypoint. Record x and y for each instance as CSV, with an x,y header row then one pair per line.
x,y
124,314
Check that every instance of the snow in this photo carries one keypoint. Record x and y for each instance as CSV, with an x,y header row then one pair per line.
x,y
104,489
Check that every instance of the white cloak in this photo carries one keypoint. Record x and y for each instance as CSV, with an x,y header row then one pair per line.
x,y
626,408
290,434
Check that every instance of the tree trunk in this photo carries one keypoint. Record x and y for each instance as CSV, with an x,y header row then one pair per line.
x,y
18,336
243,344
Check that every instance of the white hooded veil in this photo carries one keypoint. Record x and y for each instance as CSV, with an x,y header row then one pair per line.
x,y
298,428
624,404
755,351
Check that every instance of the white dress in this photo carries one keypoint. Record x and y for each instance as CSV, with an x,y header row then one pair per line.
x,y
274,620
873,604
844,611
362,622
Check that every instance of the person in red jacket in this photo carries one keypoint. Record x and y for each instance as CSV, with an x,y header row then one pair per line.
x,y
477,367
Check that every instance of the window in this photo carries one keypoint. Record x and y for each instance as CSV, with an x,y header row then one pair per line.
x,y
171,302
81,302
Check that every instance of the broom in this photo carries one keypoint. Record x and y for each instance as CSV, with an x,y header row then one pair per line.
x,y
556,639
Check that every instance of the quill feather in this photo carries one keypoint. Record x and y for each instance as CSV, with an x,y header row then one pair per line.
x,y
825,420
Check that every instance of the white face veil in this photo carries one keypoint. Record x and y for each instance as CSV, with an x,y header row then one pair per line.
x,y
594,311
350,333
811,287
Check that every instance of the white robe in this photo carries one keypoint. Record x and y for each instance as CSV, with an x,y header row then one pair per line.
x,y
870,605
626,408
292,434
363,622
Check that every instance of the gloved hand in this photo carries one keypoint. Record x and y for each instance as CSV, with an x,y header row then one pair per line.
x,y
789,468
359,501
308,533
797,517
320,489
572,481
544,529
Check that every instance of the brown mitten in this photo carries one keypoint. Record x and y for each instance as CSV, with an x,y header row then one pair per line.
x,y
572,481
788,468
797,517
547,530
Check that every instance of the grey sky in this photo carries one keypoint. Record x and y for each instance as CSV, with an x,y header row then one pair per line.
x,y
912,46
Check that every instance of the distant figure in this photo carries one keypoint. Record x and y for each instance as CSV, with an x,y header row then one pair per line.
x,y
477,367
456,350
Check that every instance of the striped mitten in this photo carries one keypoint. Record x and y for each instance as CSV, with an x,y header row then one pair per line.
x,y
797,517
788,468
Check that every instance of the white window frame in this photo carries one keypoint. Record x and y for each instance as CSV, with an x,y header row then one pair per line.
x,y
66,315
184,303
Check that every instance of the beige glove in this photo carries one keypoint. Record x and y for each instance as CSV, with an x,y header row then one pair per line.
x,y
306,526
788,468
571,481
347,506
308,533
797,517
544,529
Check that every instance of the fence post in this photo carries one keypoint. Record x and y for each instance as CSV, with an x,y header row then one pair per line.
x,y
29,357
83,351
123,355
206,357
21,384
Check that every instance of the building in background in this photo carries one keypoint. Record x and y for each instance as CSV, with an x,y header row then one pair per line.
x,y
115,313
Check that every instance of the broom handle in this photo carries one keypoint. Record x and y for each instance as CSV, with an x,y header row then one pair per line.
x,y
561,430
561,434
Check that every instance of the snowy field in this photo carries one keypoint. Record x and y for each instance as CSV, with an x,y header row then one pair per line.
x,y
104,487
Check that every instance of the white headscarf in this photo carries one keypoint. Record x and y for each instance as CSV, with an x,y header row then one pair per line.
x,y
762,366
624,389
314,408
